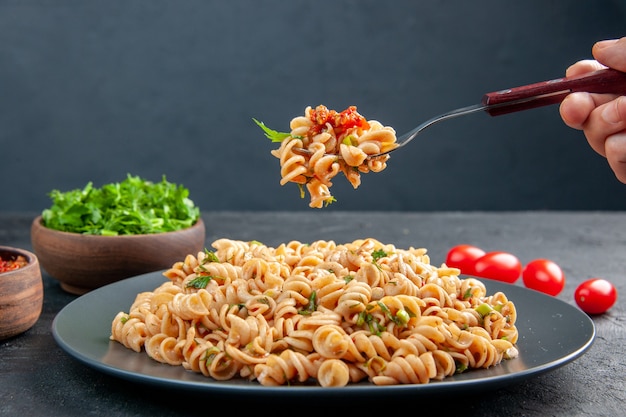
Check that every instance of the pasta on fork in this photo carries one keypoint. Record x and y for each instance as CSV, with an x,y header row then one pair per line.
x,y
323,143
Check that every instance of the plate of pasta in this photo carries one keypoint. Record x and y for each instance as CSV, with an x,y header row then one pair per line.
x,y
322,318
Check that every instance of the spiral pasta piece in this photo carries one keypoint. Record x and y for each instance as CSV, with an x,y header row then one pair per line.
x,y
165,349
287,366
131,332
333,373
322,312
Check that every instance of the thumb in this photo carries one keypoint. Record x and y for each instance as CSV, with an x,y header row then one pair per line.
x,y
611,53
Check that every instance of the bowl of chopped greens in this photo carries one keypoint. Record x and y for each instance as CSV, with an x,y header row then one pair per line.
x,y
94,236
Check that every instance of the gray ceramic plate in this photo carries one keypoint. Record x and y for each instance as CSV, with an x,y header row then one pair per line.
x,y
552,333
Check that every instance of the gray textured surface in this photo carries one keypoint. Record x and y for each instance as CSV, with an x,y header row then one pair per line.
x,y
38,378
98,89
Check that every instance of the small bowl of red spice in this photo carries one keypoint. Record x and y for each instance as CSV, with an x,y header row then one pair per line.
x,y
21,291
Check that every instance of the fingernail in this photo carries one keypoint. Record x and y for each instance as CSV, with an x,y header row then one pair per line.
x,y
605,44
610,114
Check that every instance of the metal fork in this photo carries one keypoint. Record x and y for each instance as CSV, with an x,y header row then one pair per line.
x,y
523,98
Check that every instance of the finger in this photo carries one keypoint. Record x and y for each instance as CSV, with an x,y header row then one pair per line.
x,y
606,120
583,67
576,107
615,148
611,53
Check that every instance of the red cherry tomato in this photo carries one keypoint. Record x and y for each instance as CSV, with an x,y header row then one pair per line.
x,y
501,266
464,257
595,295
544,275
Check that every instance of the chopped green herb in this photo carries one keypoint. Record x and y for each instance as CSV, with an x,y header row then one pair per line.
x,y
385,310
484,309
360,320
374,326
350,141
199,282
133,206
210,354
377,254
311,305
365,318
402,317
210,256
272,134
468,293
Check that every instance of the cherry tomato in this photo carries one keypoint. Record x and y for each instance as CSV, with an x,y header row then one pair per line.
x,y
544,275
595,295
498,265
463,257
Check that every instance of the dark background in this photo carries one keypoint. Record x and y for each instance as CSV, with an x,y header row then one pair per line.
x,y
94,90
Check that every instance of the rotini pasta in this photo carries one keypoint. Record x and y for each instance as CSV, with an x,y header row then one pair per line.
x,y
336,142
324,313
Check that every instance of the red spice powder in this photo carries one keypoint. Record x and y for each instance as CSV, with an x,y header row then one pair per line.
x,y
7,265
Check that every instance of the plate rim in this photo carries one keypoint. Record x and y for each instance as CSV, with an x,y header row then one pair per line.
x,y
237,386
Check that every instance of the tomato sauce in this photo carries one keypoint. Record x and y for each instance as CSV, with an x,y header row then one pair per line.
x,y
340,122
12,264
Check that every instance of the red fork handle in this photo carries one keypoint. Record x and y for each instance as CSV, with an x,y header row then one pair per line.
x,y
554,91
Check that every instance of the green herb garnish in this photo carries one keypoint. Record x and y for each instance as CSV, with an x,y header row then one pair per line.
x,y
200,282
272,134
461,367
401,318
210,257
377,254
350,141
133,206
210,354
365,318
484,309
468,293
311,305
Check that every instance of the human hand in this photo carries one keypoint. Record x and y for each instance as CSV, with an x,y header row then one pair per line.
x,y
601,117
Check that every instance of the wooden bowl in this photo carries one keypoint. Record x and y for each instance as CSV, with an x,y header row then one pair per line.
x,y
82,263
21,294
